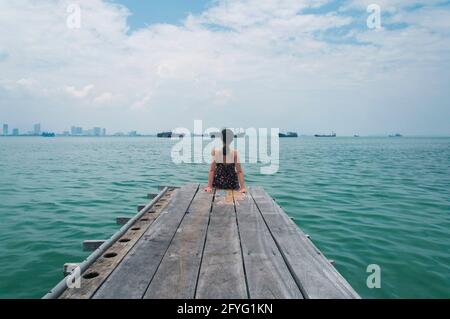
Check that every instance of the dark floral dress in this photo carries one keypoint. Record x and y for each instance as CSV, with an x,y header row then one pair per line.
x,y
226,177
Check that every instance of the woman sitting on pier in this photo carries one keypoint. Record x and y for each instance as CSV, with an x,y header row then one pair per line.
x,y
226,170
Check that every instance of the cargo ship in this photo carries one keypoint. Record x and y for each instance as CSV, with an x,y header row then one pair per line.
x,y
288,134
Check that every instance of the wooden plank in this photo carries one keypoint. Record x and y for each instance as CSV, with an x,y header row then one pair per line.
x,y
316,277
132,276
176,277
222,273
268,276
105,265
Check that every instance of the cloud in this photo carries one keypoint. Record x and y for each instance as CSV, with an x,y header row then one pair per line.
x,y
143,102
238,15
25,82
223,96
3,54
433,19
104,98
307,67
82,93
391,6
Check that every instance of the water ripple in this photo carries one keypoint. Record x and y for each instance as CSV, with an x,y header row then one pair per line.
x,y
363,201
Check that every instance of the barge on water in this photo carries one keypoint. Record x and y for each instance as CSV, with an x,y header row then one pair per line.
x,y
326,135
189,244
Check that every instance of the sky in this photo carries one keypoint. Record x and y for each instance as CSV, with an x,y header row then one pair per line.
x,y
311,66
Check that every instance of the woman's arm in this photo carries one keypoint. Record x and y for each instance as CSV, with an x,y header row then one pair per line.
x,y
211,174
240,173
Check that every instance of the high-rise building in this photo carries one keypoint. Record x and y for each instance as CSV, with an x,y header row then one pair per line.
x,y
104,132
76,130
37,129
15,132
5,129
97,131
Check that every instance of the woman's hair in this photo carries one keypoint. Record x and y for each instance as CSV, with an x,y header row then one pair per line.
x,y
227,138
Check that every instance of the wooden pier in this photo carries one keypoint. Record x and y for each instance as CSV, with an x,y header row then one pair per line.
x,y
189,244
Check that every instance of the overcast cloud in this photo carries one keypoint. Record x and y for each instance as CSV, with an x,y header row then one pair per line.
x,y
311,66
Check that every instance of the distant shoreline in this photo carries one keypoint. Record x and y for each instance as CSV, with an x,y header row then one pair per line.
x,y
299,137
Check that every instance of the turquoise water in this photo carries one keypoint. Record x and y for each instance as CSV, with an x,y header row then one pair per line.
x,y
363,201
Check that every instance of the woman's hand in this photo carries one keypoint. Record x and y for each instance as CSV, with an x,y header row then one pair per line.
x,y
243,190
208,189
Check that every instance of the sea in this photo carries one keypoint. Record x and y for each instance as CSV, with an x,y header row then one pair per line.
x,y
364,201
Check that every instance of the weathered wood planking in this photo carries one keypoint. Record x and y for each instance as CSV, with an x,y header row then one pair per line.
x,y
176,277
104,265
316,277
132,276
268,277
223,245
222,273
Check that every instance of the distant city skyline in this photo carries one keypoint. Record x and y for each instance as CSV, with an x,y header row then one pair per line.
x,y
37,131
99,131
74,131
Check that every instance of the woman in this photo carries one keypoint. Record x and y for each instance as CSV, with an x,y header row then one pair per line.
x,y
226,170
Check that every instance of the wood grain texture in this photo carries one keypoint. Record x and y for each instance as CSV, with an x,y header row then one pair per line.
x,y
226,245
317,278
104,266
177,275
268,276
222,272
132,276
